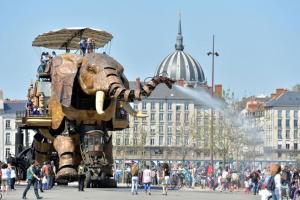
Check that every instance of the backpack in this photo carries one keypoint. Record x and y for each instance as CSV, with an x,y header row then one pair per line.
x,y
284,176
81,170
271,184
50,170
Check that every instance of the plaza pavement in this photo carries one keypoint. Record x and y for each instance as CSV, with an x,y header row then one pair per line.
x,y
71,193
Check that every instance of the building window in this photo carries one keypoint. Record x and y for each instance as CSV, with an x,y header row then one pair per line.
x,y
186,117
279,147
152,141
279,134
287,114
169,116
134,141
161,140
296,123
169,106
169,130
169,141
7,124
177,140
152,130
144,105
7,139
161,106
287,146
161,129
177,117
177,107
287,123
295,146
7,152
287,134
126,141
161,117
152,116
152,105
118,141
186,140
186,106
279,114
295,134
135,106
295,114
135,127
279,123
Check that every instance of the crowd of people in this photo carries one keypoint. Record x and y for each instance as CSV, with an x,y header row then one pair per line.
x,y
270,182
41,177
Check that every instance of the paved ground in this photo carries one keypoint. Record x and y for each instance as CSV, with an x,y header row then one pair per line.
x,y
71,193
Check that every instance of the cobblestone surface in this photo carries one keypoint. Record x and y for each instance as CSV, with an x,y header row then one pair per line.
x,y
71,193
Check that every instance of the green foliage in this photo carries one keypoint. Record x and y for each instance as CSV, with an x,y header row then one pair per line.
x,y
296,88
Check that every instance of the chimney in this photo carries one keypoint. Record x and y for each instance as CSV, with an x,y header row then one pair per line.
x,y
180,82
218,90
280,91
137,84
273,95
1,101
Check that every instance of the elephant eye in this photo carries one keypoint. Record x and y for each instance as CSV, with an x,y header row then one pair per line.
x,y
91,69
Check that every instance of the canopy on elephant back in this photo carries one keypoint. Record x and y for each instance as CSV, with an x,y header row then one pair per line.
x,y
69,38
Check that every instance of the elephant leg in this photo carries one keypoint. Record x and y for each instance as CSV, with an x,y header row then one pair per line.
x,y
65,147
107,169
42,149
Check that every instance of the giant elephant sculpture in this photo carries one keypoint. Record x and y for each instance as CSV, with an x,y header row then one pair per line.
x,y
87,93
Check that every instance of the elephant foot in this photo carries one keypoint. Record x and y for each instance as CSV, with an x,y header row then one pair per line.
x,y
66,174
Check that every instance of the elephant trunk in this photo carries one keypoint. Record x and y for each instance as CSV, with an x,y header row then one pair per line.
x,y
118,91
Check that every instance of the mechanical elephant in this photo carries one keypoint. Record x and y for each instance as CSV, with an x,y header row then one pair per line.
x,y
89,96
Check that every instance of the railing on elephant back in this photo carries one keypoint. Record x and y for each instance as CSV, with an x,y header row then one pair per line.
x,y
30,119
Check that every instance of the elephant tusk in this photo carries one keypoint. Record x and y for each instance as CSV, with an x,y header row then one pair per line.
x,y
99,102
126,106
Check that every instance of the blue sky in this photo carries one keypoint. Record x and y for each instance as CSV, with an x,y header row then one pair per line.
x,y
258,41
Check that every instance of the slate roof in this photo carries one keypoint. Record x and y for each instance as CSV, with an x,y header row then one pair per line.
x,y
287,99
12,106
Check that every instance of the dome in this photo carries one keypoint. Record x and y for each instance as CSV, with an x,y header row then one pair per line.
x,y
180,65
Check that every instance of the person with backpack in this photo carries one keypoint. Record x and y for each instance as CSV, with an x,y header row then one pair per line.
x,y
32,179
285,181
274,182
134,178
255,177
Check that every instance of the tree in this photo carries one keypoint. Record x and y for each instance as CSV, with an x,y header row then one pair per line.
x,y
296,88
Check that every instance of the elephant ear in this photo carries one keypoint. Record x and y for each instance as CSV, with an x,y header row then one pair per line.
x,y
64,70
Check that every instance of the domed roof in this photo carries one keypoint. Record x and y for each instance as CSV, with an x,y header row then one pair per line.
x,y
180,65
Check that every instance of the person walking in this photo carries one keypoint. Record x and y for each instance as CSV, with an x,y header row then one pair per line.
x,y
52,174
134,178
147,180
13,178
32,179
274,182
4,178
81,176
166,176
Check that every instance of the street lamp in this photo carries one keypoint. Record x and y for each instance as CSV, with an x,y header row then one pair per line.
x,y
213,53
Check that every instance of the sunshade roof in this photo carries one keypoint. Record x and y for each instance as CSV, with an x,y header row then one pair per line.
x,y
69,38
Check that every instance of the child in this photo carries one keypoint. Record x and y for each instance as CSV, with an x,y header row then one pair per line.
x,y
246,185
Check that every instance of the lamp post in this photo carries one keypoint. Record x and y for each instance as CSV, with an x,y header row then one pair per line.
x,y
213,53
